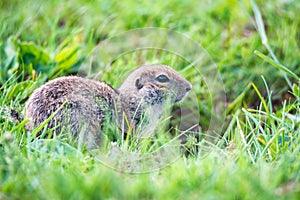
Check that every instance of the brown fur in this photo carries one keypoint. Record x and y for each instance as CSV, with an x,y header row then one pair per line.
x,y
87,103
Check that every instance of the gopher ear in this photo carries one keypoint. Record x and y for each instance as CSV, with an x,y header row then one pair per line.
x,y
138,85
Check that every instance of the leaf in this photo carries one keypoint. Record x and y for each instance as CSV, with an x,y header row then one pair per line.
x,y
8,60
24,58
67,57
31,53
11,54
52,146
296,90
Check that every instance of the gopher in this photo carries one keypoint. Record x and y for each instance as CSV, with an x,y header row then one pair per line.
x,y
82,105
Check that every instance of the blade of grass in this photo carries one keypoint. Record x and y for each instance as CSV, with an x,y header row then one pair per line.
x,y
276,64
229,128
262,32
44,123
237,101
269,93
244,139
261,98
270,142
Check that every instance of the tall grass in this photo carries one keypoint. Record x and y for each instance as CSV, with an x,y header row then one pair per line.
x,y
257,154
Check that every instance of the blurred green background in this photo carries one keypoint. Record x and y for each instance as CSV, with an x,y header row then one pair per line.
x,y
258,157
226,29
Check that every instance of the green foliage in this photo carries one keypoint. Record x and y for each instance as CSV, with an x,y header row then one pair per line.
x,y
256,48
26,59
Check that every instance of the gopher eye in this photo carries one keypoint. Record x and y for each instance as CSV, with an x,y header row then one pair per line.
x,y
162,78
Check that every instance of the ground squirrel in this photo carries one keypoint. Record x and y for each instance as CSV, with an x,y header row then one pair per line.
x,y
84,104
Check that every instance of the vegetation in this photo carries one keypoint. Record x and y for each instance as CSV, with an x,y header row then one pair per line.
x,y
256,48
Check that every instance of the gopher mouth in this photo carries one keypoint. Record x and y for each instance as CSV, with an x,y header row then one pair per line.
x,y
184,94
179,98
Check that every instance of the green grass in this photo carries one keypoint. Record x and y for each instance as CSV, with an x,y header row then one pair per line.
x,y
256,50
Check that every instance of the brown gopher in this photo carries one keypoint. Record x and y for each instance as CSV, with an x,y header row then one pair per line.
x,y
82,105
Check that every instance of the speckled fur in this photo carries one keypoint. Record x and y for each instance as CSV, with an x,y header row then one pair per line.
x,y
133,102
87,103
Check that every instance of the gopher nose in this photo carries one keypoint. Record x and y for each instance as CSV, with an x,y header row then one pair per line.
x,y
188,88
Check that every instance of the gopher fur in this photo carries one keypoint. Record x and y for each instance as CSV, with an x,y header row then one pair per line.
x,y
82,105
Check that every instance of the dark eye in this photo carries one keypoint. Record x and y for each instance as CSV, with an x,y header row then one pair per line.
x,y
162,78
